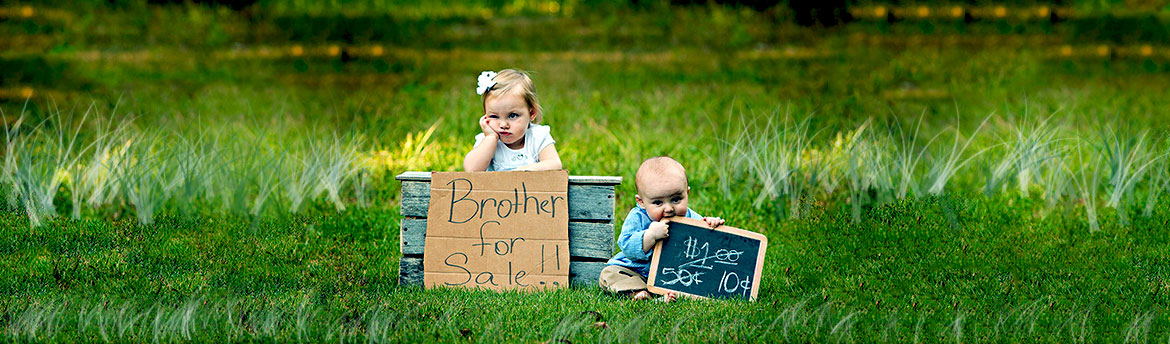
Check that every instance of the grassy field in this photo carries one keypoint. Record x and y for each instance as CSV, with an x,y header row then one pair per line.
x,y
194,173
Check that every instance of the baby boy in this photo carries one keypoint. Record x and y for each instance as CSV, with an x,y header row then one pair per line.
x,y
662,194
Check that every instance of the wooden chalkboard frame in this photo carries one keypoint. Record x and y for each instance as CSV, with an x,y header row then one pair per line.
x,y
726,229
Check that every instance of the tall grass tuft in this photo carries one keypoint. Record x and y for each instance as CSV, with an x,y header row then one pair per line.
x,y
948,162
340,161
1000,170
232,174
37,162
246,169
145,173
869,170
192,163
908,157
772,160
8,183
89,179
303,171
99,179
1026,148
268,172
1128,157
1055,177
1087,175
1035,144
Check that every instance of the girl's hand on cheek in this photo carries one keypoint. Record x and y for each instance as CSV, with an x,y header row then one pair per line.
x,y
485,124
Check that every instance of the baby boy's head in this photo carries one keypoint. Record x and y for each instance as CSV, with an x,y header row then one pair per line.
x,y
662,188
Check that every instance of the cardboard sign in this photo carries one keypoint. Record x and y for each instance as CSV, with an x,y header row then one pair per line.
x,y
498,230
698,261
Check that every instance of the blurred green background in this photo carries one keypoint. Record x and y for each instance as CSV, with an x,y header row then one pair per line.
x,y
363,62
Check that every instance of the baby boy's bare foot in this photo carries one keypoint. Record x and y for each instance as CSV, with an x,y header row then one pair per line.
x,y
669,297
642,295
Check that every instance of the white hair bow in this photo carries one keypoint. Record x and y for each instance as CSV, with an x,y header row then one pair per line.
x,y
485,82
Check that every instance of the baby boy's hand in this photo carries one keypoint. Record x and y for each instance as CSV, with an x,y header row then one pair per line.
x,y
485,124
658,230
713,221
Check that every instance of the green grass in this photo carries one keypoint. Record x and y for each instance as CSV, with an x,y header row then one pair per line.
x,y
197,209
335,275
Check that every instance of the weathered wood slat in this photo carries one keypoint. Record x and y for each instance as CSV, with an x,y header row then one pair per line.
x,y
586,202
602,180
416,189
410,271
414,175
586,239
591,202
585,272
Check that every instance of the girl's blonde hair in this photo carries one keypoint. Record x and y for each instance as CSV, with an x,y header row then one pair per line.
x,y
508,79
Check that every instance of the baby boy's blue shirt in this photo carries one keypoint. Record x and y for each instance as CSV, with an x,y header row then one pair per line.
x,y
633,255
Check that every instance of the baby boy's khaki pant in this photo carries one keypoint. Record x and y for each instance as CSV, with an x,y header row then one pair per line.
x,y
620,279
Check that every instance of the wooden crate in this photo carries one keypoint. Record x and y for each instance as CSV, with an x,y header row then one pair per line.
x,y
591,212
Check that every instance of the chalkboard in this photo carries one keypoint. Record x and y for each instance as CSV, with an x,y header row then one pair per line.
x,y
698,261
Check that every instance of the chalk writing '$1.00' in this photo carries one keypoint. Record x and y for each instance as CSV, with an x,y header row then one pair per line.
x,y
699,256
